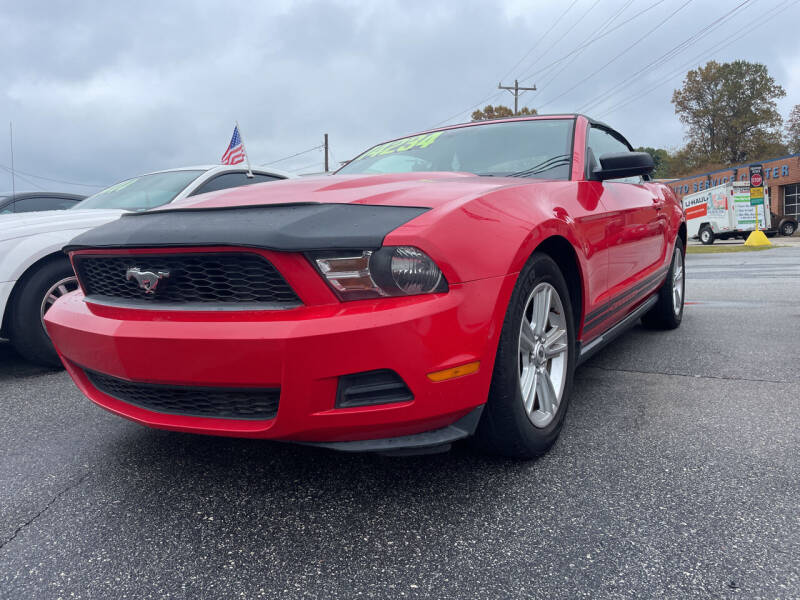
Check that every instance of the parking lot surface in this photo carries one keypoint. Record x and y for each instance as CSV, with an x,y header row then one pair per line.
x,y
677,475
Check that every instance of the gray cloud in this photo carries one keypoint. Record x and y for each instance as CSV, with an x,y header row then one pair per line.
x,y
101,91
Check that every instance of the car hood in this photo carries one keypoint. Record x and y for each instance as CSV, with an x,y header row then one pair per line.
x,y
26,224
318,214
395,189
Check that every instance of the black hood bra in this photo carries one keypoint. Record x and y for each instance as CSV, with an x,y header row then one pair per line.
x,y
296,227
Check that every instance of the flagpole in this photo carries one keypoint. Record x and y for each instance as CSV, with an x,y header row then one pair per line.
x,y
246,155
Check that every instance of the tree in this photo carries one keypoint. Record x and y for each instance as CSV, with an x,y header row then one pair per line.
x,y
661,160
793,130
730,111
499,112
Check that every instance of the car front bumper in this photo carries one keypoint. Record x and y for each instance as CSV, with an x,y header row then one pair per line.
x,y
303,352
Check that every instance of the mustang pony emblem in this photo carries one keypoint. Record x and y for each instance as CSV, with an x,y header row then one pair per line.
x,y
147,280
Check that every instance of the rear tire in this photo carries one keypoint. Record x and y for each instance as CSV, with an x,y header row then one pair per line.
x,y
668,310
706,236
25,326
788,228
535,353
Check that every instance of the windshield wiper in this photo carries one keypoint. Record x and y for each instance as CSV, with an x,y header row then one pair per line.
x,y
546,165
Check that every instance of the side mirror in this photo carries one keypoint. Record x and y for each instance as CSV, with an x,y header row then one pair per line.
x,y
624,164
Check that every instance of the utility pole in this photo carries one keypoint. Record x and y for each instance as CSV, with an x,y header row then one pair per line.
x,y
515,90
326,152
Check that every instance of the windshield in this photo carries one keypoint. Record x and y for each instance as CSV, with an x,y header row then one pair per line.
x,y
539,148
141,193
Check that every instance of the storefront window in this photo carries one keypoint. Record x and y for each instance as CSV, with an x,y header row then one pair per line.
x,y
791,200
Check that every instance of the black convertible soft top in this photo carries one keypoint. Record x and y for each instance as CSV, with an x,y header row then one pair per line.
x,y
289,227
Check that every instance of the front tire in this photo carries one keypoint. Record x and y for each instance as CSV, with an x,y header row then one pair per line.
x,y
706,236
668,310
39,289
788,228
532,377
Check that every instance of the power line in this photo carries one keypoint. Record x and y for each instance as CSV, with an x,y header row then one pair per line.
x,y
572,27
14,171
669,54
496,94
25,179
314,164
626,50
459,113
593,40
714,47
95,185
580,48
333,158
291,156
680,70
658,62
539,41
556,72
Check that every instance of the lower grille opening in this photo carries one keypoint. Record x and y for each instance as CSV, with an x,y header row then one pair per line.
x,y
214,402
383,386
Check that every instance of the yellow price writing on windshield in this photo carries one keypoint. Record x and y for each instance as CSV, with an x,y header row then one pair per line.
x,y
416,141
119,186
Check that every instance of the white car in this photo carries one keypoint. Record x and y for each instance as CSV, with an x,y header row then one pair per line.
x,y
33,270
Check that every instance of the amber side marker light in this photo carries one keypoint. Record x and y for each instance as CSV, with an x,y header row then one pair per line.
x,y
467,369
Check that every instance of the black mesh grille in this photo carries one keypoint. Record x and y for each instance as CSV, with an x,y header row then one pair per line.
x,y
220,403
228,278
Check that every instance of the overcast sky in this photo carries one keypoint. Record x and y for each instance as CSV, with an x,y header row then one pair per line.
x,y
98,92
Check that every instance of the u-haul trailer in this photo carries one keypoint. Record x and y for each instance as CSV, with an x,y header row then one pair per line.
x,y
724,212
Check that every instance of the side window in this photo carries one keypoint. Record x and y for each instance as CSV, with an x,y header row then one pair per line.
x,y
231,180
602,142
42,203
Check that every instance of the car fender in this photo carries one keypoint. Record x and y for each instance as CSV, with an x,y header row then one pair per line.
x,y
20,254
495,234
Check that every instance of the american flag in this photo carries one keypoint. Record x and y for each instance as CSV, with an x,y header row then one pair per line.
x,y
235,152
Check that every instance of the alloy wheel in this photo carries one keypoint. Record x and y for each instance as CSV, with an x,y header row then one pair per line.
x,y
677,281
58,289
543,354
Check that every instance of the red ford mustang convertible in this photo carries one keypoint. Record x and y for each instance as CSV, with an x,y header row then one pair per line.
x,y
439,286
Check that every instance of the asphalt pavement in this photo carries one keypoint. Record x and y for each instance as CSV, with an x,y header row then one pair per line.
x,y
677,475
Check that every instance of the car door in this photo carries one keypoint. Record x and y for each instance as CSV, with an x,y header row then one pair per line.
x,y
634,218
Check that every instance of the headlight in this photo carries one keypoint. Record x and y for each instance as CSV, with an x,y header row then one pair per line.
x,y
390,271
